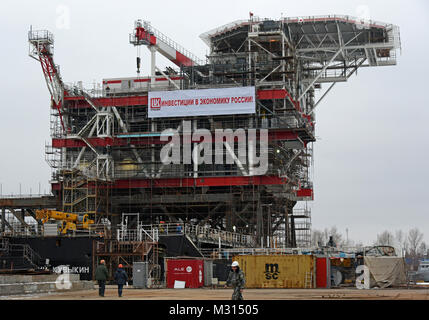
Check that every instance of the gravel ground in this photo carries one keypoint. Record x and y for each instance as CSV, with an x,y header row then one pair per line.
x,y
225,294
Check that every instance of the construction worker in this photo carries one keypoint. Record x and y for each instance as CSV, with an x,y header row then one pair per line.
x,y
121,278
161,227
101,275
236,280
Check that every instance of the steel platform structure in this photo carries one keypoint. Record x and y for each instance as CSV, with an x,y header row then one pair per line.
x,y
106,137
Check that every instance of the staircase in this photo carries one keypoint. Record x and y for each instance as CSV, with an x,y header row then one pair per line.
x,y
116,252
154,270
18,256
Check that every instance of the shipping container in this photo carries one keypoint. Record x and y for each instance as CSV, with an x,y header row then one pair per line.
x,y
278,271
191,271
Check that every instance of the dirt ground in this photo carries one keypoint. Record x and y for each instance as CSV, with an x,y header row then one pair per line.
x,y
225,294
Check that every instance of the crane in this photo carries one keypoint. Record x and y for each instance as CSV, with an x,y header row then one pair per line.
x,y
69,221
42,49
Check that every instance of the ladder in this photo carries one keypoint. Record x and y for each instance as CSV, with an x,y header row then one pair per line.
x,y
308,284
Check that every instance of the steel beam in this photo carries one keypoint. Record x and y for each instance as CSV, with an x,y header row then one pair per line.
x,y
339,50
5,222
19,217
3,219
24,202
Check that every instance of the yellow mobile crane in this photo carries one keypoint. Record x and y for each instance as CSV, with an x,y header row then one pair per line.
x,y
69,221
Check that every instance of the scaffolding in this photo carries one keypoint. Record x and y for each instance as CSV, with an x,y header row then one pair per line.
x,y
82,194
106,138
115,252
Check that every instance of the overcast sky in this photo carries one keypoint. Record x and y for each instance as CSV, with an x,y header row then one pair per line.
x,y
371,157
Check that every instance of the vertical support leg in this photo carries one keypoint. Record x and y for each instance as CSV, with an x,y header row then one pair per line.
x,y
249,63
259,224
195,153
152,65
269,227
287,234
228,217
153,128
3,219
94,258
292,232
22,214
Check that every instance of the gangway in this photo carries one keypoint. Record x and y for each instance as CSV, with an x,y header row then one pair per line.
x,y
156,41
196,233
145,34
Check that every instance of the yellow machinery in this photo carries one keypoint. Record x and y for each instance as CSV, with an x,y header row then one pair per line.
x,y
69,221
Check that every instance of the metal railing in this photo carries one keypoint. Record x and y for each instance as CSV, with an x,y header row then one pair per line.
x,y
302,212
195,232
226,27
343,18
239,23
162,37
26,252
340,251
206,234
229,253
94,90
32,256
21,196
19,229
40,35
141,88
142,233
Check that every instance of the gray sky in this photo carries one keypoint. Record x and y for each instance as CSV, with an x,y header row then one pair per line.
x,y
370,160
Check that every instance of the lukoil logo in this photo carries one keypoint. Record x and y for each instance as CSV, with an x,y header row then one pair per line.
x,y
155,103
189,269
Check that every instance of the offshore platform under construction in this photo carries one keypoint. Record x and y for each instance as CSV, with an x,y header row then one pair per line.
x,y
262,77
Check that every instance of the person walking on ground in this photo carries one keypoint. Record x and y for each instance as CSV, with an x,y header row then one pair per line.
x,y
120,278
236,280
101,275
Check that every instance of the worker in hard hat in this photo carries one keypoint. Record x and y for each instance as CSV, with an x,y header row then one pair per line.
x,y
236,280
101,275
121,278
